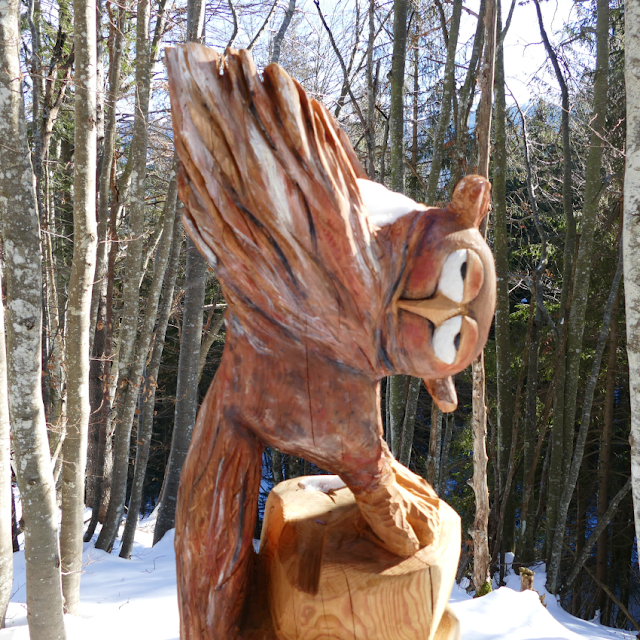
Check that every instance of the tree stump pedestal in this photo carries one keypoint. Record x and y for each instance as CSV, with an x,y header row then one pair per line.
x,y
325,576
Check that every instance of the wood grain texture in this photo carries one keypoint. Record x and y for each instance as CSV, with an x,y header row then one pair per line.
x,y
328,579
322,303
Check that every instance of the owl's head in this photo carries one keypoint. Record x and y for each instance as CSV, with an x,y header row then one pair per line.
x,y
441,301
308,251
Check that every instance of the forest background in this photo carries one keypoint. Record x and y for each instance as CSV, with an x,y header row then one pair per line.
x,y
94,260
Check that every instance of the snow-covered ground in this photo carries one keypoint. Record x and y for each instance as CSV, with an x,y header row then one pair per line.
x,y
136,600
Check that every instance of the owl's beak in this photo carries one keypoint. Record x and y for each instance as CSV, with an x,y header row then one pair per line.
x,y
443,392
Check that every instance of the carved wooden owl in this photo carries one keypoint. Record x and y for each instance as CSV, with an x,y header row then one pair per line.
x,y
332,282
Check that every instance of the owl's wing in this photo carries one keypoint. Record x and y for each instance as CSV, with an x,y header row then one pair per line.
x,y
269,184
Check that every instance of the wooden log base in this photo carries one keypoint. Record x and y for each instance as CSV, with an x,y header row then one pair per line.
x,y
325,576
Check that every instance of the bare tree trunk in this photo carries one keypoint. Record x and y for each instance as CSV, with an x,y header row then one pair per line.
x,y
504,378
559,461
6,521
435,437
604,450
187,388
21,237
445,108
465,102
397,385
443,473
129,326
631,238
190,340
370,131
580,293
116,39
479,533
104,458
144,438
277,41
553,568
211,333
79,309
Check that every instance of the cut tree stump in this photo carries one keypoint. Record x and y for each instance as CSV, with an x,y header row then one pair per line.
x,y
326,577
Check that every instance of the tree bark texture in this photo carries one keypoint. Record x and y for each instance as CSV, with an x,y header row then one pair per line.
x,y
6,519
21,238
553,569
144,439
396,112
479,533
604,451
128,386
504,378
78,323
445,108
294,253
558,462
584,258
631,239
186,390
279,37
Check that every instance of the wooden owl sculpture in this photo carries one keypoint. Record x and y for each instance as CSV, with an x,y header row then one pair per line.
x,y
332,282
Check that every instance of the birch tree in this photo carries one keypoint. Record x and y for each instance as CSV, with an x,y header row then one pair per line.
x,y
6,546
21,236
631,238
79,309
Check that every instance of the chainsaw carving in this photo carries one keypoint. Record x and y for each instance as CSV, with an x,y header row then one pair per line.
x,y
332,282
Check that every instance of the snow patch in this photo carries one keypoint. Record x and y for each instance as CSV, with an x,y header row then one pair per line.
x,y
384,206
322,483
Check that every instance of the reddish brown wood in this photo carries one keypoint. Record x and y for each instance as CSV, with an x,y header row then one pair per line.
x,y
322,304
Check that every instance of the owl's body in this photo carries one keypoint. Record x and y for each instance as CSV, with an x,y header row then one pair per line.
x,y
332,282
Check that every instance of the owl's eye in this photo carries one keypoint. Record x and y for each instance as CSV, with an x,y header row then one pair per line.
x,y
454,270
446,339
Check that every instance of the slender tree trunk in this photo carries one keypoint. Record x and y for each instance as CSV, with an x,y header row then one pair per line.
x,y
443,473
445,108
479,533
603,523
116,38
6,520
128,329
558,460
553,568
371,96
580,292
397,385
103,464
396,115
604,462
435,438
190,340
631,238
21,238
504,378
279,38
211,333
79,309
144,435
465,102
187,388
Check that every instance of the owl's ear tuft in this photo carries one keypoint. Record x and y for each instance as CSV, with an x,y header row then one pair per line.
x,y
470,200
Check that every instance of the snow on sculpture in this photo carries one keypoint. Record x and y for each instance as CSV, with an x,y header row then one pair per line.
x,y
332,282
